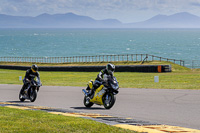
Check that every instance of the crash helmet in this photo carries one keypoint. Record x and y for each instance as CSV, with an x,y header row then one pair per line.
x,y
34,68
110,68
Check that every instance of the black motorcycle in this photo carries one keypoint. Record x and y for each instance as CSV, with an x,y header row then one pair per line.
x,y
30,92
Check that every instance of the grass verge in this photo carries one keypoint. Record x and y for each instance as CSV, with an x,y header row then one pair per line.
x,y
179,78
27,121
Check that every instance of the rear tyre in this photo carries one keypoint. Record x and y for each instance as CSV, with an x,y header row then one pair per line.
x,y
108,103
87,103
21,96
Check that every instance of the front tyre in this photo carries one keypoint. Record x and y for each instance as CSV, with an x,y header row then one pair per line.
x,y
33,95
87,102
21,98
108,100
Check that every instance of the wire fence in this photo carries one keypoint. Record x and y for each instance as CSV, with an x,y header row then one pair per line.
x,y
192,64
97,58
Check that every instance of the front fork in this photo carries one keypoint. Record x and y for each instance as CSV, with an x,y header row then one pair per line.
x,y
107,98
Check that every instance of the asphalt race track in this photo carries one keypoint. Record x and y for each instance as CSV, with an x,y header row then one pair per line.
x,y
163,106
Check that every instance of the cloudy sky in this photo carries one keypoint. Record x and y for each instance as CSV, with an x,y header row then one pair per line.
x,y
124,10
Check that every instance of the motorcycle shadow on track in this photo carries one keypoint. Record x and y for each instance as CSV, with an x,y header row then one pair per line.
x,y
85,108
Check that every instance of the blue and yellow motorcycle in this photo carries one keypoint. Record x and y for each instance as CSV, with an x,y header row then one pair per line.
x,y
103,95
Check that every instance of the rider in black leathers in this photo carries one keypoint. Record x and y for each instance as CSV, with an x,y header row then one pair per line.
x,y
101,77
30,74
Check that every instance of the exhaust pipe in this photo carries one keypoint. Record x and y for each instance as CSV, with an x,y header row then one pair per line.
x,y
84,92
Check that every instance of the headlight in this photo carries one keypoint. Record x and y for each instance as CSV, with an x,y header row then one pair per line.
x,y
115,87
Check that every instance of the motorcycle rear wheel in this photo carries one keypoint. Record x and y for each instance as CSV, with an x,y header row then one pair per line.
x,y
111,102
21,96
86,103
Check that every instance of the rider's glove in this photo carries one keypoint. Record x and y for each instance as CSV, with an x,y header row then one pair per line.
x,y
105,83
28,80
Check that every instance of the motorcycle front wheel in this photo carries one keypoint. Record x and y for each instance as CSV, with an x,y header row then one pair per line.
x,y
33,95
108,100
21,96
87,103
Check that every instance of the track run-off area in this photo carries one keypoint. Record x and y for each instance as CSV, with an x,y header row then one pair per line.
x,y
144,110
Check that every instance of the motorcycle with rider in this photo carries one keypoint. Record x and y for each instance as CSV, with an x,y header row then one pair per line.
x,y
103,90
31,85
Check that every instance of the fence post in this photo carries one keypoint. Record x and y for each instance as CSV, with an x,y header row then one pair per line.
x,y
146,57
99,58
136,57
131,57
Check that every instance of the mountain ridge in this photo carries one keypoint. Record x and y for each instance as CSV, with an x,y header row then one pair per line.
x,y
71,20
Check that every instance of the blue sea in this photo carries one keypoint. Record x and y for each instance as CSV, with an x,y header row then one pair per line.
x,y
180,44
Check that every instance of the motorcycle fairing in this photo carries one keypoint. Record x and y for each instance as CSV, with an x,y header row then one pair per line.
x,y
90,84
98,95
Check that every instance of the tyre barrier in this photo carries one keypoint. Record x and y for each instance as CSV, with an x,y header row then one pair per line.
x,y
119,68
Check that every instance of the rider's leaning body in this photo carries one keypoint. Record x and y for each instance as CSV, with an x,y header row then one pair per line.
x,y
101,77
30,74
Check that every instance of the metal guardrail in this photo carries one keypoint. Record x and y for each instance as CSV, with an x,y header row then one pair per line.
x,y
97,58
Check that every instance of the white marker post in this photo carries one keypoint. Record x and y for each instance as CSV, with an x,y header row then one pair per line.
x,y
156,79
20,78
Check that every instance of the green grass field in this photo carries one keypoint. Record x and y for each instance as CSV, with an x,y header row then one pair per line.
x,y
27,121
15,120
179,78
